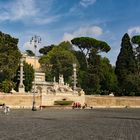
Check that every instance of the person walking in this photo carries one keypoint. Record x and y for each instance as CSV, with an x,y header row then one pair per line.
x,y
6,109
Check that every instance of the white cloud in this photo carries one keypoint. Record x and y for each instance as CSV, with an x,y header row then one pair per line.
x,y
84,31
17,10
93,30
68,37
76,9
24,8
41,21
28,11
134,30
29,46
86,3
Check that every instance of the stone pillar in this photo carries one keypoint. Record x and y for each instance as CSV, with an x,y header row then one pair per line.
x,y
21,85
74,77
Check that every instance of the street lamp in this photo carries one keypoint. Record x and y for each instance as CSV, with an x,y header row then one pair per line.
x,y
1,75
35,40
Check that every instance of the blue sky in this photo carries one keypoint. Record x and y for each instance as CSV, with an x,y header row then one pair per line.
x,y
58,20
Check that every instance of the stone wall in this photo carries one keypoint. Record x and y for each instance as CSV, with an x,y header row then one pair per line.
x,y
109,101
19,100
25,100
48,99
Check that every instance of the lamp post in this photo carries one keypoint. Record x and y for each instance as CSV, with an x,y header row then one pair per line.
x,y
35,40
1,75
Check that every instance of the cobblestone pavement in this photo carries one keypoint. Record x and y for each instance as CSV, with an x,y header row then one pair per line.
x,y
56,124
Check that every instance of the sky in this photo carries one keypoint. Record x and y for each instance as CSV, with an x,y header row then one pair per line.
x,y
61,20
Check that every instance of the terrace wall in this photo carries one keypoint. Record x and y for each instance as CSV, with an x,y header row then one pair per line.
x,y
25,100
111,101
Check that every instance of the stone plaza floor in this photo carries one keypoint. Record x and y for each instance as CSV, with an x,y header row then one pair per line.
x,y
68,124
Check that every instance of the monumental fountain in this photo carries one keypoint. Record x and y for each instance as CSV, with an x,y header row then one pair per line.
x,y
50,91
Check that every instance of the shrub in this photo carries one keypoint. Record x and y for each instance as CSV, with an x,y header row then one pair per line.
x,y
6,86
63,102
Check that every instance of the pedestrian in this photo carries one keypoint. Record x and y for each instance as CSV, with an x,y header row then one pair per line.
x,y
6,109
73,106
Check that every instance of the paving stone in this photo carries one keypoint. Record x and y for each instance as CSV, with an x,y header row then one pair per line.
x,y
68,124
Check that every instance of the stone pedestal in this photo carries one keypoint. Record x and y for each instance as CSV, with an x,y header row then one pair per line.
x,y
21,89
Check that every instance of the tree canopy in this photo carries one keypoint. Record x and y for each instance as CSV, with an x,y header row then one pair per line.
x,y
59,61
95,74
108,78
30,53
136,41
126,62
86,44
46,49
28,76
9,56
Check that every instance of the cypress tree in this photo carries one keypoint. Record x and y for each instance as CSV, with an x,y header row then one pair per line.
x,y
126,62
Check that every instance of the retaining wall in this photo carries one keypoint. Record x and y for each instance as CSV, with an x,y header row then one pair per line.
x,y
25,100
19,100
110,101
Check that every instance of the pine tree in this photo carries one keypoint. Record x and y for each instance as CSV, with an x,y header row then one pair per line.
x,y
126,62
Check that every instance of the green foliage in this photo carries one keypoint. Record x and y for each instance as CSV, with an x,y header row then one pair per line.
x,y
108,79
46,49
29,76
62,63
48,74
126,62
9,56
136,41
63,103
95,74
2,76
6,86
81,59
91,81
59,61
131,85
90,73
30,53
66,45
86,44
